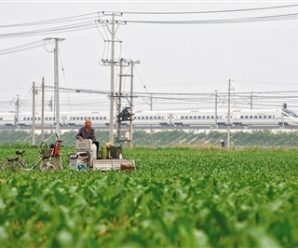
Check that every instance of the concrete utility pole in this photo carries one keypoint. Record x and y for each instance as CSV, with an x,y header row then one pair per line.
x,y
123,63
17,110
56,83
42,109
119,101
151,102
130,130
34,92
111,129
229,115
215,112
114,27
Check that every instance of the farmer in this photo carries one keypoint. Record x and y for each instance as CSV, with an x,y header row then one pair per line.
x,y
87,132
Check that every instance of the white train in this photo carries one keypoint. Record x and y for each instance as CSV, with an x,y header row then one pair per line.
x,y
163,118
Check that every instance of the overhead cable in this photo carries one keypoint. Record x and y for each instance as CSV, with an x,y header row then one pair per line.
x,y
221,21
208,11
51,21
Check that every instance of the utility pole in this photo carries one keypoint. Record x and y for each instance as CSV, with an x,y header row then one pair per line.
x,y
119,101
34,92
112,63
111,130
56,83
151,102
123,63
229,115
251,100
215,112
17,110
130,130
42,109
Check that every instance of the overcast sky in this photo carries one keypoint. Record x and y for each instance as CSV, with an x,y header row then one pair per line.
x,y
257,56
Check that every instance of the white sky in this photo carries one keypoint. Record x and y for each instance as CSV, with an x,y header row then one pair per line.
x,y
174,58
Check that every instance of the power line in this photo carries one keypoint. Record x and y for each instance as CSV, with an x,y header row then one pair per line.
x,y
50,21
208,11
290,16
58,29
23,47
93,15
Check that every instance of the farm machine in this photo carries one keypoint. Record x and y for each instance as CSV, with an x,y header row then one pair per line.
x,y
111,157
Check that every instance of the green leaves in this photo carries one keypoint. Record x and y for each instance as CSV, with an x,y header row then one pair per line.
x,y
177,197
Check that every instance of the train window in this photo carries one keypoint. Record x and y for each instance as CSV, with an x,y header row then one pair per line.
x,y
23,119
250,117
241,117
47,118
146,117
190,117
208,117
159,117
186,117
104,118
142,117
199,117
246,117
265,116
150,117
1,119
269,117
255,117
212,117
39,118
195,117
260,117
182,117
203,117
273,117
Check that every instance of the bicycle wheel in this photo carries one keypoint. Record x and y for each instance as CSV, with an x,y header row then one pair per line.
x,y
5,165
10,163
47,166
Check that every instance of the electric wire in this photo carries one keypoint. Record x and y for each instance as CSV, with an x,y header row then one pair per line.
x,y
98,13
56,29
23,47
281,17
208,11
50,21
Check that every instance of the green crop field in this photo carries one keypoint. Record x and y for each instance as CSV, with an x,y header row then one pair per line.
x,y
177,197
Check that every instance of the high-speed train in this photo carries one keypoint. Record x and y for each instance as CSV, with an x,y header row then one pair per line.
x,y
238,117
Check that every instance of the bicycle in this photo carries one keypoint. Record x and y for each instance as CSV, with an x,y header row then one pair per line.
x,y
16,162
44,160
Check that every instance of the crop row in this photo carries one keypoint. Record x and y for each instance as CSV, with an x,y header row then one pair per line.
x,y
177,197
